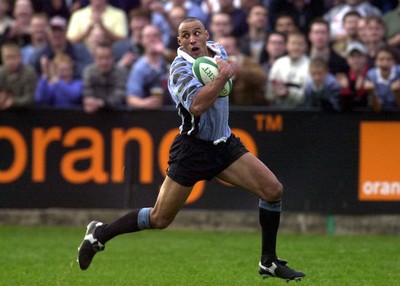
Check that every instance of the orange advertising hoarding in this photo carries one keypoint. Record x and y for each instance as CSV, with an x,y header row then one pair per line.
x,y
379,173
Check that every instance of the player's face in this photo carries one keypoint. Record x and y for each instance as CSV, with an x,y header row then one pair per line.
x,y
192,37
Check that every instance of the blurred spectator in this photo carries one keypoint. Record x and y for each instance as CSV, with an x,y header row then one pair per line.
x,y
238,17
17,80
275,47
375,37
248,4
58,44
125,5
335,15
175,17
57,87
350,25
392,27
320,47
352,92
383,84
99,13
288,74
237,14
253,42
5,20
20,29
285,24
97,36
362,29
128,50
248,76
321,88
192,9
384,5
303,11
103,82
39,27
146,85
74,5
52,8
220,25
158,17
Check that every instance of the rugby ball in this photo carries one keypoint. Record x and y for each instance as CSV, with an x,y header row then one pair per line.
x,y
205,69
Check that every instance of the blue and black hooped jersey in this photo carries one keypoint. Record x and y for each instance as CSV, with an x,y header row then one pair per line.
x,y
212,125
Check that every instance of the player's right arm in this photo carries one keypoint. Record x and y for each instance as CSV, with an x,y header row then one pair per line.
x,y
209,93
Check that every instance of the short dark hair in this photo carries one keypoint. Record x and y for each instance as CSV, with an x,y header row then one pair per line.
x,y
139,12
276,33
319,20
351,13
319,62
395,54
190,19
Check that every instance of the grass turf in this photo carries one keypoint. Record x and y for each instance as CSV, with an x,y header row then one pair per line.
x,y
47,256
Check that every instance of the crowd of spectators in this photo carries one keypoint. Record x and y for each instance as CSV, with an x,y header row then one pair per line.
x,y
105,54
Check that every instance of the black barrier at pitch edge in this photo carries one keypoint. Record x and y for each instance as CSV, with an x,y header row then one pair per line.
x,y
314,154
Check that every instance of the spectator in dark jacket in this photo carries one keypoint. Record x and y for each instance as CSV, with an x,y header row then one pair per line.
x,y
104,82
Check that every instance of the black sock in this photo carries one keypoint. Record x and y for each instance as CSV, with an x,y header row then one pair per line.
x,y
269,221
125,224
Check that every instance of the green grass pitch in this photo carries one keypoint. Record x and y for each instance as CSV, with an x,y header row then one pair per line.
x,y
47,256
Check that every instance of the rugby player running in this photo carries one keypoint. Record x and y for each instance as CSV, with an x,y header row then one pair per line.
x,y
204,149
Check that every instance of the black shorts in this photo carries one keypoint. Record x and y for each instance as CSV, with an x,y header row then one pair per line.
x,y
192,159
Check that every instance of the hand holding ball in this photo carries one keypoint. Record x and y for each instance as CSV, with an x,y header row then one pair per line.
x,y
205,69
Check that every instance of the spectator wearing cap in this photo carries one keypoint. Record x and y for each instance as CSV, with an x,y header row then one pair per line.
x,y
99,13
58,43
352,91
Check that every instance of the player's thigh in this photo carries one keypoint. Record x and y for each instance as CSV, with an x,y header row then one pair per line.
x,y
249,173
170,200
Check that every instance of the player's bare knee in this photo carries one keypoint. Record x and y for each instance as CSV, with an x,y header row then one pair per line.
x,y
160,222
273,193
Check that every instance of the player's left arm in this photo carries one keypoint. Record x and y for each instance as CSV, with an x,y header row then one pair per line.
x,y
209,93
